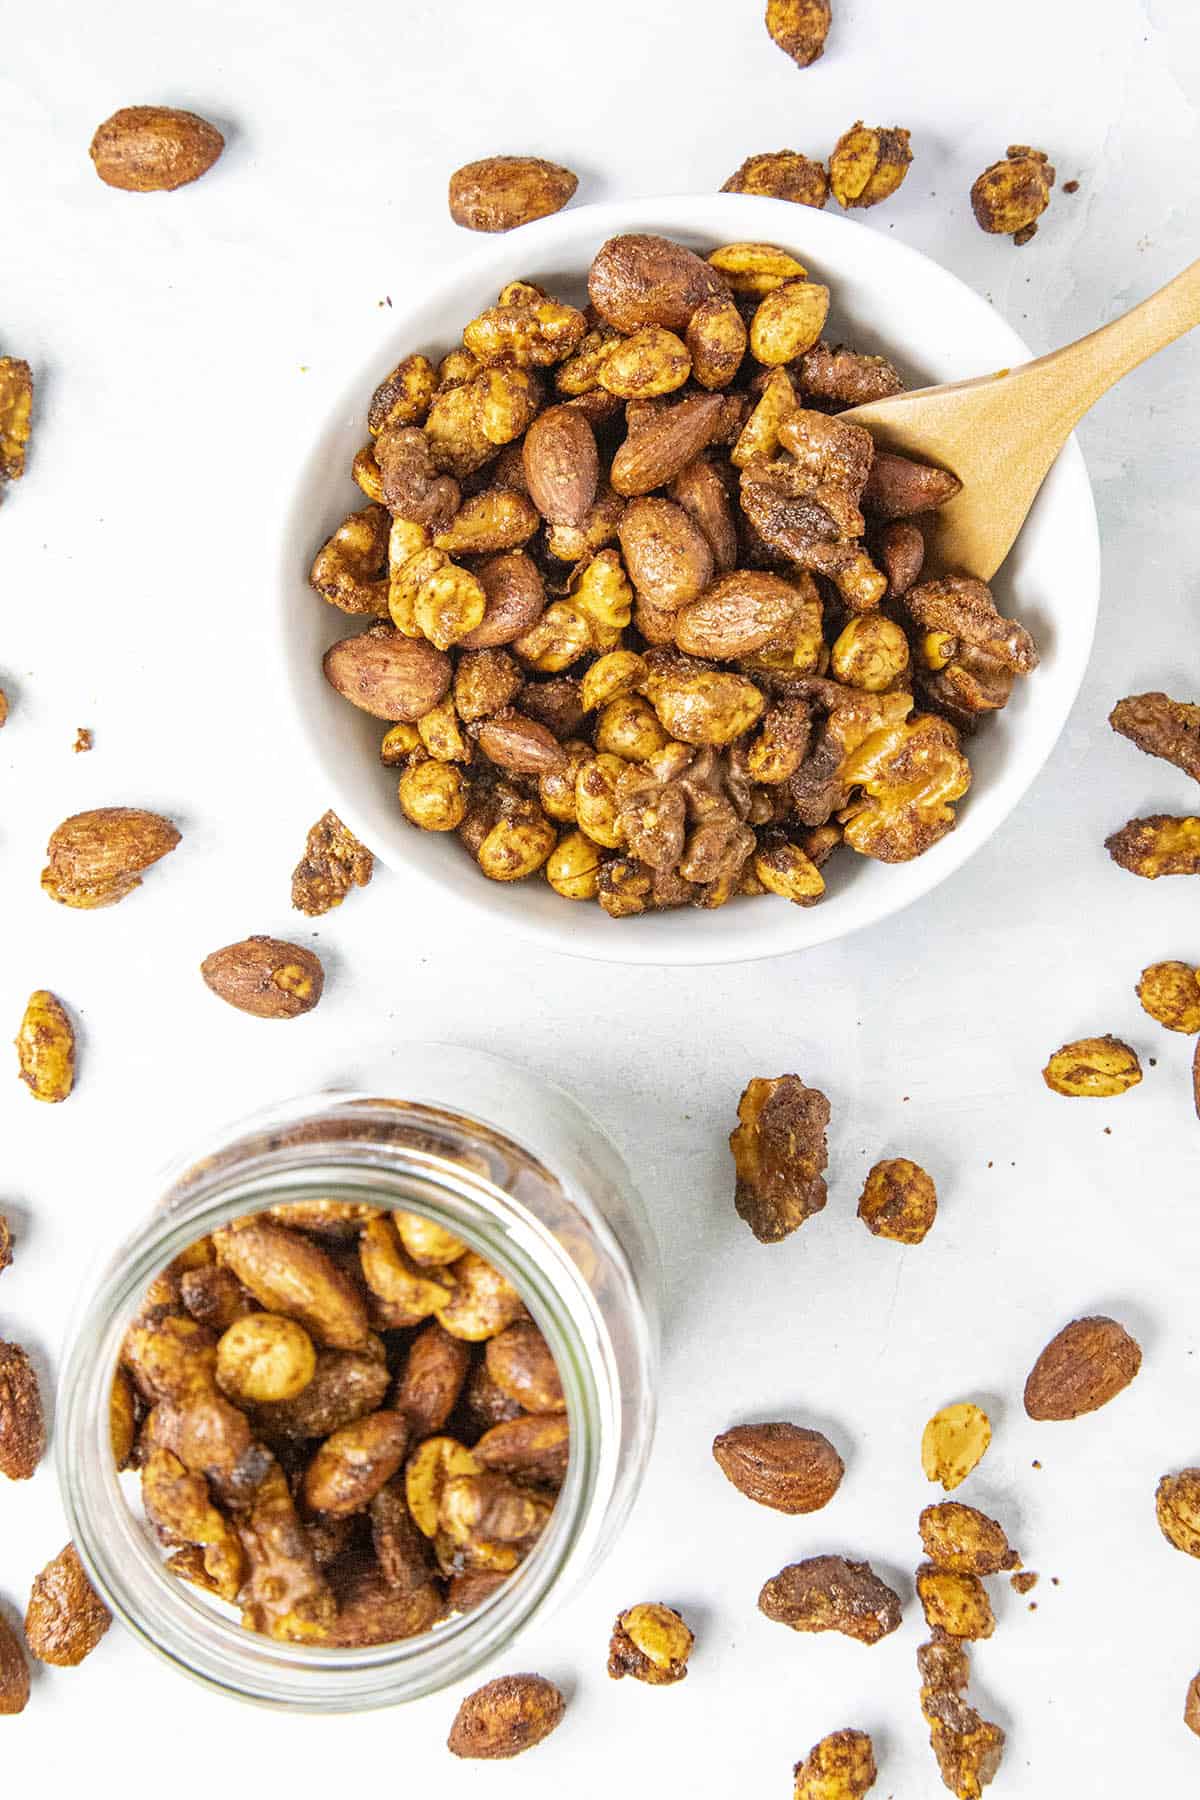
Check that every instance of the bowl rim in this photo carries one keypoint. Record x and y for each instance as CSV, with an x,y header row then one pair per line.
x,y
349,384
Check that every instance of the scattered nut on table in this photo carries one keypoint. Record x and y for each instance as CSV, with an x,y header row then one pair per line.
x,y
22,1425
840,1767
968,1748
16,410
1093,1068
501,192
153,149
954,1442
964,1540
14,1671
1011,196
800,27
1161,727
46,1048
650,1642
954,1602
333,862
506,1717
868,164
65,1618
1160,844
898,1201
1086,1365
1177,1505
782,175
265,976
1170,993
829,1593
790,1468
97,858
779,1153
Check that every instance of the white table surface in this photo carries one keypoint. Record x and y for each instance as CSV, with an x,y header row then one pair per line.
x,y
182,344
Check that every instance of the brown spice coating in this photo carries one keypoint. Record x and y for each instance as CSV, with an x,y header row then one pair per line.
x,y
1011,195
429,1384
354,1463
800,28
655,452
779,1152
506,1717
14,1672
46,1048
561,465
533,1447
789,1468
840,1767
968,1748
1093,1068
266,977
845,377
285,1595
6,1244
651,1643
346,1386
501,192
1170,993
97,858
154,149
519,1362
1086,1365
401,1549
964,1540
288,1273
955,1603
639,279
371,1612
22,1424
1161,727
868,163
1177,1507
1159,844
1191,1705
65,1618
333,862
829,1593
781,175
898,1201
1023,1581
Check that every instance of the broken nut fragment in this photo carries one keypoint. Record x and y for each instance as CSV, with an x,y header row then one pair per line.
x,y
868,164
781,175
266,977
650,1642
1157,845
955,1603
954,1442
502,192
65,1618
506,1717
16,408
1085,1366
964,1540
1161,727
1170,993
898,1201
46,1048
97,858
968,1748
787,1467
828,1593
333,862
779,1152
800,28
1093,1068
840,1767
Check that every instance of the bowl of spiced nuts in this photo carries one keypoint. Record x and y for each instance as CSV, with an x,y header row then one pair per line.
x,y
600,620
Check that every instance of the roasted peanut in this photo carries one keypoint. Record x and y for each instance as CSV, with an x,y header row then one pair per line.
x,y
1093,1068
354,1463
868,164
1170,993
800,27
501,192
426,1241
898,1201
46,1048
783,175
788,321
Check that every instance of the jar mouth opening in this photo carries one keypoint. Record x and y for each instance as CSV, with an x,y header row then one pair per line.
x,y
187,1628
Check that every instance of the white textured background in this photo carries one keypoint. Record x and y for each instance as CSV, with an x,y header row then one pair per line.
x,y
181,344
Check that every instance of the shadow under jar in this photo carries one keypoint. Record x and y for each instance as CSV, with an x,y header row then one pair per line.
x,y
519,1173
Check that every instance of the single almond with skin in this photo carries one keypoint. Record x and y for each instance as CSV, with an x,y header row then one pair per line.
x,y
1191,1706
288,1273
97,858
665,443
514,742
787,1467
14,1671
46,1048
154,149
506,1717
1085,1366
640,279
561,465
500,192
739,614
265,976
22,1426
388,675
65,1618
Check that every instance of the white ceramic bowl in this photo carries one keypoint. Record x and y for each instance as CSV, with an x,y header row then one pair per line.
x,y
885,298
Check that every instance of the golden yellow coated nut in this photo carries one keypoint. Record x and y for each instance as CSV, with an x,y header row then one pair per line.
x,y
1170,993
46,1048
937,649
649,362
507,398
650,1642
629,727
426,1242
366,473
573,867
404,396
433,795
450,603
788,321
559,638
602,591
517,847
405,582
751,268
868,164
596,804
441,733
430,1468
953,1442
456,367
871,653
399,741
620,672
785,870
1093,1068
556,788
265,1356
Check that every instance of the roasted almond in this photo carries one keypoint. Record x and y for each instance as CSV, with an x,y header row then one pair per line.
x,y
152,149
22,1426
640,279
65,1618
520,744
1082,1369
265,976
14,1671
533,1447
661,445
506,1717
500,192
702,494
289,1274
897,487
388,675
666,553
46,1048
786,1467
97,858
738,615
515,596
561,465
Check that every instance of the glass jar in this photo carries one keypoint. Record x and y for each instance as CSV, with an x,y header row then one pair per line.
x,y
518,1171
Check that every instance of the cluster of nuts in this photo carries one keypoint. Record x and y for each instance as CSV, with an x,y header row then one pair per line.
x,y
646,615
344,1420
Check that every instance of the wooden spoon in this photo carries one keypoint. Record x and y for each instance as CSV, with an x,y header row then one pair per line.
x,y
1000,433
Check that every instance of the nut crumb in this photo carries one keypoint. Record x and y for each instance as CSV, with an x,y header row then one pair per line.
x,y
83,740
1023,1581
333,862
1070,187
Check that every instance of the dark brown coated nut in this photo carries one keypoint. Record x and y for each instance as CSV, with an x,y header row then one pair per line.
x,y
1191,1705
650,1642
779,1152
530,1447
122,1419
900,553
484,1404
954,1603
898,487
561,465
843,377
518,1360
14,1672
501,192
354,1463
782,175
6,1244
828,1593
404,396
97,858
968,1748
1086,1365
964,1540
370,1611
700,491
840,1767
1177,1506
666,553
215,1297
66,1618
350,568
505,1717
800,28
154,149
402,1550
521,745
388,675
898,1201
739,614
333,862
266,977
789,1468
346,1386
716,342
868,164
660,446
1161,727
1010,196
414,486
515,596
432,1378
640,279
289,1274
22,1426
1157,845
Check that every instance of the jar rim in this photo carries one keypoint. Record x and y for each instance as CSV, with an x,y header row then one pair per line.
x,y
115,1547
